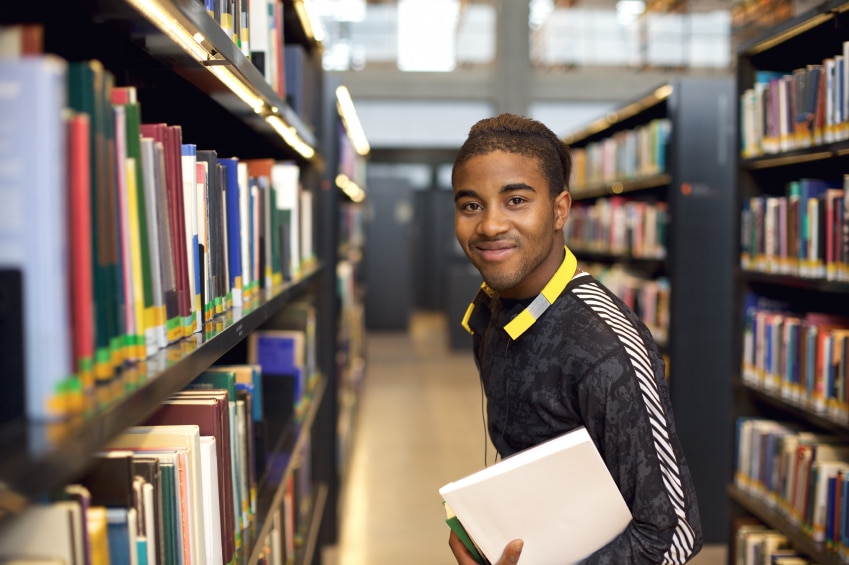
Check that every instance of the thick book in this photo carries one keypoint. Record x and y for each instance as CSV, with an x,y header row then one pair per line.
x,y
44,531
35,317
557,496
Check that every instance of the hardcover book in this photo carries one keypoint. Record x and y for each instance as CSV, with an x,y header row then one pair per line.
x,y
558,497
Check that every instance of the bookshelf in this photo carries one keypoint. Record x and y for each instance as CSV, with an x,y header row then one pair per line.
x,y
689,178
781,280
350,239
221,100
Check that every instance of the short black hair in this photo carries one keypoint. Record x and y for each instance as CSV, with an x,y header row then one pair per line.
x,y
516,134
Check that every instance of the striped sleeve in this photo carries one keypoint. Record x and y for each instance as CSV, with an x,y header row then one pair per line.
x,y
673,533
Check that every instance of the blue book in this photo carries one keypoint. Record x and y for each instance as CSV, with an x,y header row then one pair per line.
x,y
234,229
829,514
122,533
35,330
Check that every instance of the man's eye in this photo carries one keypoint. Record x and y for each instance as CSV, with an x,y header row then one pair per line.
x,y
471,206
517,200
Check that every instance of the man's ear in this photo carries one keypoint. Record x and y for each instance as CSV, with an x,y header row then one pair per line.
x,y
562,205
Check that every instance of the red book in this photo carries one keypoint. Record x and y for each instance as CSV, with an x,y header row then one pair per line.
x,y
173,145
278,47
80,244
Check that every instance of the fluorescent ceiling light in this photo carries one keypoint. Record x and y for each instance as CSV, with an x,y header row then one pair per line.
x,y
539,12
629,10
427,35
342,10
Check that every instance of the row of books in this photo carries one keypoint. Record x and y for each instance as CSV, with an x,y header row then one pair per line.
x,y
648,298
625,155
756,544
122,236
806,107
182,486
257,29
800,474
803,233
802,358
619,226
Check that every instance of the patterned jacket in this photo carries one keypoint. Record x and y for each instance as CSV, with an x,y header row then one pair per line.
x,y
581,357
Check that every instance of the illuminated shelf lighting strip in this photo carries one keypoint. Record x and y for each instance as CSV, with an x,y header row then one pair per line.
x,y
309,20
290,136
349,187
352,121
656,97
157,13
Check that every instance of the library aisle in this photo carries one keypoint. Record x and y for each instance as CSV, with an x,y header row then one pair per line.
x,y
419,427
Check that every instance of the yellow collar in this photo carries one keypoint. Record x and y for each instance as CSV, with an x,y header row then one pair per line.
x,y
526,318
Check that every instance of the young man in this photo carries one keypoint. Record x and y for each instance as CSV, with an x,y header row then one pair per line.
x,y
556,349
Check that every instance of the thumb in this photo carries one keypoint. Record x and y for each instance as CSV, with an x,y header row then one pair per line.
x,y
512,552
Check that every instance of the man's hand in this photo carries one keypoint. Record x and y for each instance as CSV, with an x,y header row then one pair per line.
x,y
463,557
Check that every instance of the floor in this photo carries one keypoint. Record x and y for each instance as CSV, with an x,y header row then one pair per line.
x,y
419,426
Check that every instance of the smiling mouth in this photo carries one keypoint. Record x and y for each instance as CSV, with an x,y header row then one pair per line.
x,y
493,251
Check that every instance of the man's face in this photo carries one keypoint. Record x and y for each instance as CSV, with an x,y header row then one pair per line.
x,y
507,222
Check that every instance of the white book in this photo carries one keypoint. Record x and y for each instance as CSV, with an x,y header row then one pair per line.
x,y
209,486
44,531
306,215
245,224
189,170
285,178
203,237
149,519
558,497
260,29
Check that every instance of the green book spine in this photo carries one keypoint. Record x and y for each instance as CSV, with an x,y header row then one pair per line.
x,y
133,112
454,523
170,524
81,98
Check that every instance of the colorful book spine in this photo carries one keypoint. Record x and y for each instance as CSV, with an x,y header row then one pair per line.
x,y
234,231
189,178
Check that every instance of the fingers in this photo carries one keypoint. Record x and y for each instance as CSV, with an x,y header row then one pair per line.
x,y
511,553
461,554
